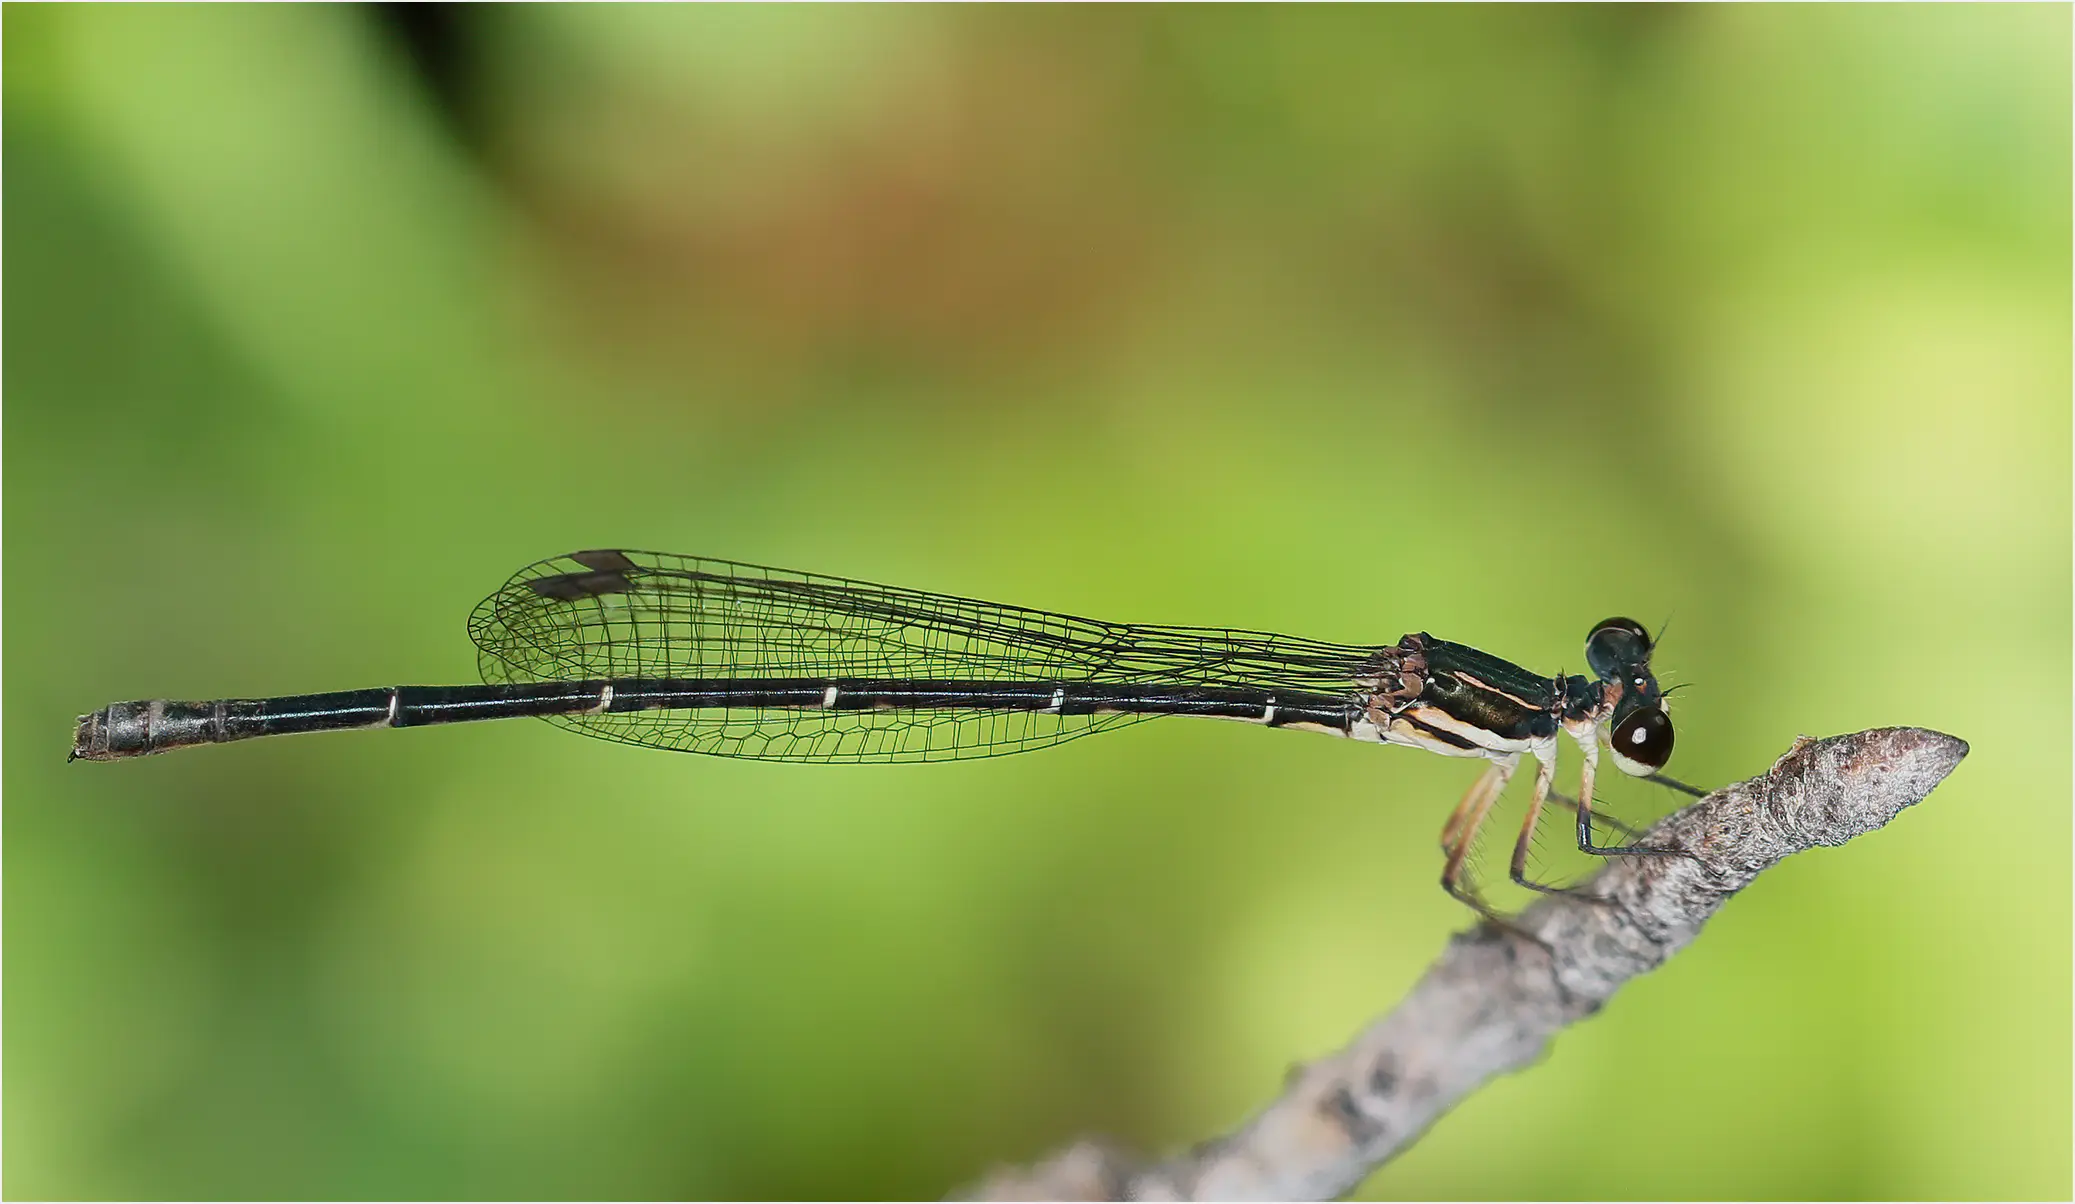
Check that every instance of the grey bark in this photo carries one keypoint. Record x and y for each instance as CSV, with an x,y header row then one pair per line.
x,y
1495,999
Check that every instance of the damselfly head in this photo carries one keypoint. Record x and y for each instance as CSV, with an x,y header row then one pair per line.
x,y
1618,648
1640,736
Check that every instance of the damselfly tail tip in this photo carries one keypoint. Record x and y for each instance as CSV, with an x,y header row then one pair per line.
x,y
90,740
83,735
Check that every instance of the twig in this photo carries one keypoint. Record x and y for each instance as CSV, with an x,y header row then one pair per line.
x,y
1496,997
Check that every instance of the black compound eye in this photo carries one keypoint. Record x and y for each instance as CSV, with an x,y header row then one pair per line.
x,y
1615,646
1642,743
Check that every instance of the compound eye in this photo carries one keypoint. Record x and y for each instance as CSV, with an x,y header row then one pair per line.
x,y
1615,646
1642,743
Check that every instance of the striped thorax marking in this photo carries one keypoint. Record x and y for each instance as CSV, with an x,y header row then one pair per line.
x,y
1479,684
1437,723
1414,728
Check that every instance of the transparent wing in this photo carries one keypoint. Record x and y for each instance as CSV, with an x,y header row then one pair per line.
x,y
627,614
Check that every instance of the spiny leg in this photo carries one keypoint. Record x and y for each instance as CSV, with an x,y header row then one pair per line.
x,y
1545,767
1476,804
1544,771
1589,744
1599,817
1462,830
1676,784
1454,825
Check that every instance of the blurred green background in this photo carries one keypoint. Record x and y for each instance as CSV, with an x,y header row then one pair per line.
x,y
1353,322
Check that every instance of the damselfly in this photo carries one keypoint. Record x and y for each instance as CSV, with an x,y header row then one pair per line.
x,y
708,656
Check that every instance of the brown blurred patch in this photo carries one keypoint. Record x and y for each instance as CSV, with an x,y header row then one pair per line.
x,y
981,221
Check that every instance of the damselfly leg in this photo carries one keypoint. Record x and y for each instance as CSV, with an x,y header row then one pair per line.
x,y
1460,833
1545,768
1599,818
1584,809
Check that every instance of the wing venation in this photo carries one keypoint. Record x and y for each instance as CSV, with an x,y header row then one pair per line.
x,y
626,614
